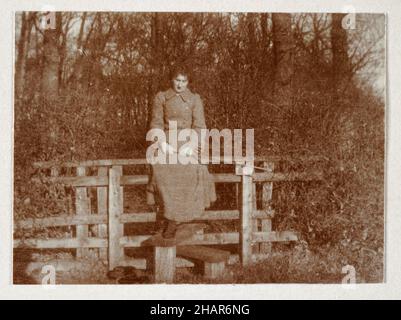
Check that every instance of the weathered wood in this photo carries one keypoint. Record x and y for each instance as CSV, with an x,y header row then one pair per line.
x,y
135,180
94,181
141,263
82,207
213,270
72,220
267,195
91,181
68,243
164,264
127,162
202,253
138,217
116,228
137,241
54,172
246,220
274,236
144,179
102,210
255,222
60,220
311,175
216,238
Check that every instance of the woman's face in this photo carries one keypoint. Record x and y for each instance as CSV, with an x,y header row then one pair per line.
x,y
180,83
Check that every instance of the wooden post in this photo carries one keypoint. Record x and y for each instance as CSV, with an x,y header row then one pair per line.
x,y
54,172
116,229
255,222
267,194
82,206
246,219
102,209
164,264
214,270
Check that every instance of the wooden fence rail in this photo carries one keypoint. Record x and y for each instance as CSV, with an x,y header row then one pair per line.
x,y
101,229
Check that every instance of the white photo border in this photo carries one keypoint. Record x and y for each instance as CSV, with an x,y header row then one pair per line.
x,y
390,289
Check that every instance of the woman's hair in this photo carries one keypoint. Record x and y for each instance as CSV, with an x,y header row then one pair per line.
x,y
179,70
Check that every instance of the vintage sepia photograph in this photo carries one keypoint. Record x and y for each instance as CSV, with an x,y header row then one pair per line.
x,y
198,147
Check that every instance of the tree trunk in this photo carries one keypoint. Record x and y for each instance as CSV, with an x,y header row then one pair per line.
x,y
283,47
341,77
22,52
339,47
51,60
155,58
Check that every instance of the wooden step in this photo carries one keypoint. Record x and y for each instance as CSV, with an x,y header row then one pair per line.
x,y
202,253
212,262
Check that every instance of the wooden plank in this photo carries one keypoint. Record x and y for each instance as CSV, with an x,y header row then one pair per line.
x,y
116,228
138,217
311,175
184,263
90,163
72,220
92,181
274,236
214,270
127,162
164,264
82,206
246,221
137,241
202,253
60,220
141,263
135,180
102,210
267,195
68,243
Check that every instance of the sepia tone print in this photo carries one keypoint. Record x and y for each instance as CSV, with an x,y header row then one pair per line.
x,y
198,148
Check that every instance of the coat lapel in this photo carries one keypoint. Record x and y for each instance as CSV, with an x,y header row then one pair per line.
x,y
185,95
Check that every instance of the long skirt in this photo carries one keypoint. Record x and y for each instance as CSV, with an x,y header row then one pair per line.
x,y
185,190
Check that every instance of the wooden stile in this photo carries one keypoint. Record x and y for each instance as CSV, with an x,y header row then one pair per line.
x,y
254,238
82,207
116,228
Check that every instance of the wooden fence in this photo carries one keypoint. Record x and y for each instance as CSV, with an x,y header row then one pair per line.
x,y
101,231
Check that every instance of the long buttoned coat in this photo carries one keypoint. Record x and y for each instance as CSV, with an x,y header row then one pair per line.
x,y
185,190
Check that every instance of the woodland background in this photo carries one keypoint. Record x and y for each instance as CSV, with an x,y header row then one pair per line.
x,y
309,86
